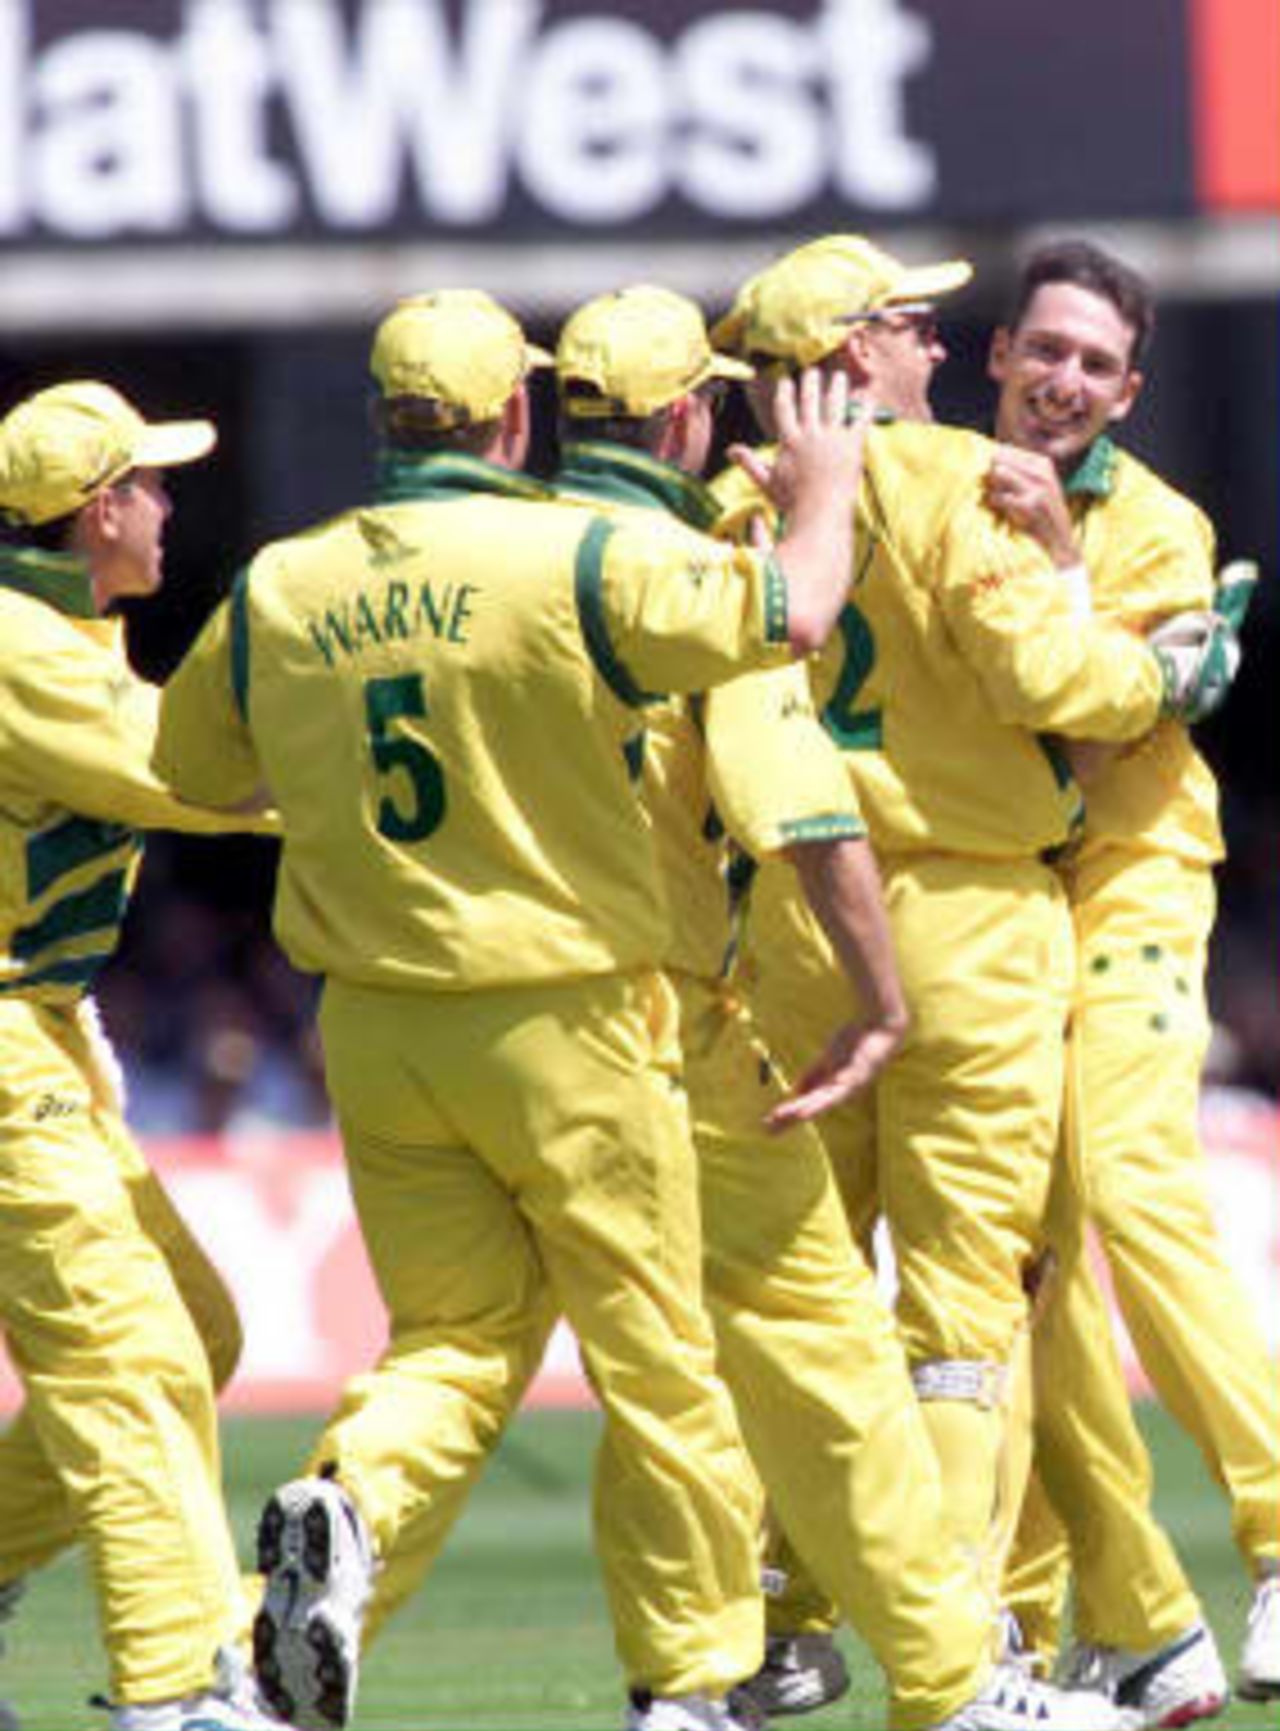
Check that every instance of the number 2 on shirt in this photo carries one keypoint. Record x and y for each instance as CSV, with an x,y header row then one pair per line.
x,y
853,729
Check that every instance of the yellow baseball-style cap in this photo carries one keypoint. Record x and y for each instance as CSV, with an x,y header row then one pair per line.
x,y
456,350
635,351
800,307
61,447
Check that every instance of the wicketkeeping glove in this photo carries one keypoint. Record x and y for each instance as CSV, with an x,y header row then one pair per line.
x,y
1198,655
1236,584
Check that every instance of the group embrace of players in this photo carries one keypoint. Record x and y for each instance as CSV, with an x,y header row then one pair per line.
x,y
701,876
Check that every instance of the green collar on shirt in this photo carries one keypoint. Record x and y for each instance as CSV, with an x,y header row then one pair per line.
x,y
596,469
1095,474
407,475
61,580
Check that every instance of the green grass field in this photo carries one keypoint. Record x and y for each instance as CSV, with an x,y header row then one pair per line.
x,y
510,1633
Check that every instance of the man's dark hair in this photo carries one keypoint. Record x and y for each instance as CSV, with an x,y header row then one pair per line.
x,y
636,432
45,537
413,424
1086,266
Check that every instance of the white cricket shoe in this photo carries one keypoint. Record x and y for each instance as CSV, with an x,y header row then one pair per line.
x,y
1012,1701
316,1555
800,1674
1259,1678
1176,1684
647,1712
213,1711
1014,1651
10,1593
231,1703
217,1713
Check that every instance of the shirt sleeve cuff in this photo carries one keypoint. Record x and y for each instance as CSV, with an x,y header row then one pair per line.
x,y
775,602
1076,580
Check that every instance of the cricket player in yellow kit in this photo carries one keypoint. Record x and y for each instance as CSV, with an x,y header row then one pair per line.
x,y
810,1354
1140,883
116,1322
960,646
841,294
440,691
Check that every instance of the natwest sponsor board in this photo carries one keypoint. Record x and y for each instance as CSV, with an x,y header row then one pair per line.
x,y
128,120
261,117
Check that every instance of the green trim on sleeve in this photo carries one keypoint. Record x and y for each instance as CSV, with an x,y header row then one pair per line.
x,y
55,852
834,826
82,972
776,624
100,908
588,583
239,633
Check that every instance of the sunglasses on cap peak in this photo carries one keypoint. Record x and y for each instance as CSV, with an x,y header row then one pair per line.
x,y
918,317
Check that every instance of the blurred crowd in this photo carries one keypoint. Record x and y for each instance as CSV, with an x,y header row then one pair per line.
x,y
215,1029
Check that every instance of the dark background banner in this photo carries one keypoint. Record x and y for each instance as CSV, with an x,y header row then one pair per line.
x,y
127,121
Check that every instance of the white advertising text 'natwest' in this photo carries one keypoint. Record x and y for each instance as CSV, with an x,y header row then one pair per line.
x,y
255,117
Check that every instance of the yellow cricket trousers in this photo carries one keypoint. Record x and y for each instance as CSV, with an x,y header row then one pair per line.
x,y
1091,1463
1143,925
114,1320
819,1378
515,1154
955,1143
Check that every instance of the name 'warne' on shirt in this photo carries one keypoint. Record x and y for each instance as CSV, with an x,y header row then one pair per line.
x,y
397,611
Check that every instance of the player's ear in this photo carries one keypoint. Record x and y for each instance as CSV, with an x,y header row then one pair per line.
x,y
672,440
998,354
857,354
1132,386
515,429
98,523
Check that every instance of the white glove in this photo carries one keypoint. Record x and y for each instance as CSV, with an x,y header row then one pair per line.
x,y
1198,655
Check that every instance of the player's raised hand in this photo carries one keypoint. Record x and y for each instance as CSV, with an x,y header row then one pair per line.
x,y
822,432
811,484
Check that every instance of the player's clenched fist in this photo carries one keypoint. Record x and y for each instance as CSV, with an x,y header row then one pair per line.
x,y
1023,487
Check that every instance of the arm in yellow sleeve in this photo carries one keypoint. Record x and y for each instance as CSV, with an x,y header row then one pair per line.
x,y
203,747
1041,666
775,775
81,727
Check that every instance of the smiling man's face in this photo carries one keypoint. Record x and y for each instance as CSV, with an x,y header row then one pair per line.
x,y
1065,373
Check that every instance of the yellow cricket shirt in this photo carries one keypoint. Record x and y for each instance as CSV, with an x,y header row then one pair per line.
x,y
747,758
1150,554
76,784
441,691
956,651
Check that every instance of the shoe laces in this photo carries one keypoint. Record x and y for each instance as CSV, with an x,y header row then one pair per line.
x,y
1088,1666
1266,1600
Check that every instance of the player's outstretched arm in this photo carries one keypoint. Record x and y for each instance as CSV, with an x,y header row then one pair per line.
x,y
812,483
842,885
